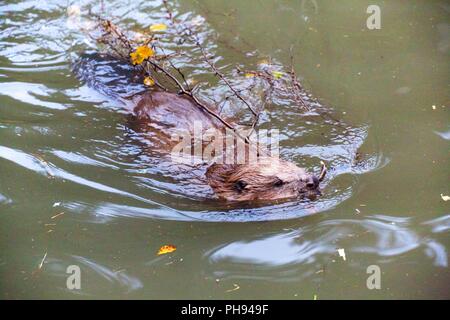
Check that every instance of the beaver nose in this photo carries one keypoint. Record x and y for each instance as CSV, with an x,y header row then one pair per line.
x,y
312,182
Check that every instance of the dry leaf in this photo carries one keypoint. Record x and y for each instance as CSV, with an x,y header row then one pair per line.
x,y
166,249
148,81
249,75
140,54
158,27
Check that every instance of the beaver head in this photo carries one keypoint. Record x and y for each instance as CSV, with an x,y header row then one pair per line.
x,y
269,178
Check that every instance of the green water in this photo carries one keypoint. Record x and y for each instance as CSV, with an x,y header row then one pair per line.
x,y
66,148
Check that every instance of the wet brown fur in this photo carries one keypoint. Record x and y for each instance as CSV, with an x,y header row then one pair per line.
x,y
269,178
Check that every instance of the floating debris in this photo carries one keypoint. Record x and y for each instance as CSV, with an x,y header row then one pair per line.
x,y
166,249
42,262
57,215
342,253
236,287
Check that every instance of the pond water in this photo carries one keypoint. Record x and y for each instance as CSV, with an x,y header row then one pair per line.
x,y
77,187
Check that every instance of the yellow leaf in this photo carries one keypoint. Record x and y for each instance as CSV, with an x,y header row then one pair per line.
x,y
158,27
277,74
148,81
249,75
140,54
166,249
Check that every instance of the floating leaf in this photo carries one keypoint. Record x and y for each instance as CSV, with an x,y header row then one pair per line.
x,y
140,54
148,81
277,74
158,27
166,249
445,198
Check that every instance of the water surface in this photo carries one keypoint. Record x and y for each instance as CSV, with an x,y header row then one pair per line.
x,y
67,148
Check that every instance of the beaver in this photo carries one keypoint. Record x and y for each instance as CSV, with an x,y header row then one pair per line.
x,y
161,113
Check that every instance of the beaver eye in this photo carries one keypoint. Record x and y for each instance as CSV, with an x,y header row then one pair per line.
x,y
278,183
240,185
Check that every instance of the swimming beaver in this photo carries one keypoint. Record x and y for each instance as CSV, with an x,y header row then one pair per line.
x,y
161,113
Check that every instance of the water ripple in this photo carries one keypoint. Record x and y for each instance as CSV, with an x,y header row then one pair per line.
x,y
304,251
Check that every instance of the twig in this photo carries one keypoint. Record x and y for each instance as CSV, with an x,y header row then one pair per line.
x,y
298,89
42,261
211,64
110,28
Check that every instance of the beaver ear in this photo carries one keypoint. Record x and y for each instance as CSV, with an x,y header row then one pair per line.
x,y
219,173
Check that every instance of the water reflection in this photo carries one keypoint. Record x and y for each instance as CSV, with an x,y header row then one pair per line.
x,y
305,251
4,199
44,168
443,134
96,278
29,93
440,224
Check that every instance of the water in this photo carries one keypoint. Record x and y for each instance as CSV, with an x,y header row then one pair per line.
x,y
66,148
